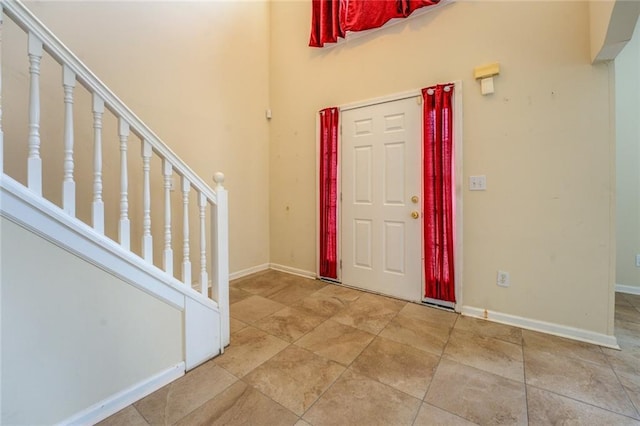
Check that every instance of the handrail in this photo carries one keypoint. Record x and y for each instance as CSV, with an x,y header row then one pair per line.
x,y
26,20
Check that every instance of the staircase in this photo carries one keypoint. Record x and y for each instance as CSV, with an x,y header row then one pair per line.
x,y
87,202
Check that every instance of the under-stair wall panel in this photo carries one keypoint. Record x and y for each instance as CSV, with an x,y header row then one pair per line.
x,y
72,334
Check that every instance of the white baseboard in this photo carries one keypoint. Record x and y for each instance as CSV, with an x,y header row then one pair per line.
x,y
294,271
120,400
543,326
627,289
248,271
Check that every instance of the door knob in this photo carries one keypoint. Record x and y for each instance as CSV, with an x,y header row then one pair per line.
x,y
415,199
415,214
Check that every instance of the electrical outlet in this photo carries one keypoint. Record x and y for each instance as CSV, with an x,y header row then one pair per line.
x,y
637,260
503,279
477,183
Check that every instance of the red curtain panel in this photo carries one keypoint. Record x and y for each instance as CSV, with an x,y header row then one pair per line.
x,y
331,19
329,192
325,22
438,192
360,15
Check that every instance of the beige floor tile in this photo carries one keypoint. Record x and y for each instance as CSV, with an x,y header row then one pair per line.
x,y
289,324
358,400
294,288
624,361
477,395
302,423
628,334
240,404
236,325
486,353
258,282
321,305
249,348
127,417
582,380
628,313
434,416
430,314
546,408
253,308
621,300
370,313
633,299
236,295
405,368
336,341
340,292
546,343
492,329
423,335
295,378
172,402
631,384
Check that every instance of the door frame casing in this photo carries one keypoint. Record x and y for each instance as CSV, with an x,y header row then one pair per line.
x,y
458,177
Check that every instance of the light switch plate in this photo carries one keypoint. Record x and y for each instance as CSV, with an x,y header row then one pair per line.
x,y
477,183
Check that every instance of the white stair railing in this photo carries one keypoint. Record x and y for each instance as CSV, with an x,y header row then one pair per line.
x,y
41,40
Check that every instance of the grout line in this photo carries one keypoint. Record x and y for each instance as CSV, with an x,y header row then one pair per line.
x,y
583,402
626,392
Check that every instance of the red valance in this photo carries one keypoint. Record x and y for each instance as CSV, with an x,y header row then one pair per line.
x,y
333,18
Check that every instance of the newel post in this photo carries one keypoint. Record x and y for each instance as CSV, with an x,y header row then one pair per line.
x,y
220,258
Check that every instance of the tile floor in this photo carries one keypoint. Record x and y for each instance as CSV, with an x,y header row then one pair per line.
x,y
308,353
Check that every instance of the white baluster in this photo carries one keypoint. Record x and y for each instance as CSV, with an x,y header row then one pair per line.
x,y
68,184
220,255
167,170
147,239
204,277
34,162
186,263
124,225
97,208
1,134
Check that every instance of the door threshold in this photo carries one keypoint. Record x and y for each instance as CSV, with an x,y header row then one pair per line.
x,y
440,304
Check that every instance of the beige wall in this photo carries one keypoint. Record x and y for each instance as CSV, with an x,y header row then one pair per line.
x,y
195,76
72,334
627,72
543,140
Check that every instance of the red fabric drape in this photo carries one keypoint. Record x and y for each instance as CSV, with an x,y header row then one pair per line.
x,y
360,15
325,22
333,18
329,192
438,192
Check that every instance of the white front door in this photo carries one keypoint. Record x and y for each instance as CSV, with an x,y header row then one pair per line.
x,y
381,190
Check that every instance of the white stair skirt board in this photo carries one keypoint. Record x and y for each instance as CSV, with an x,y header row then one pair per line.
x,y
293,271
248,271
543,326
117,402
627,289
44,218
